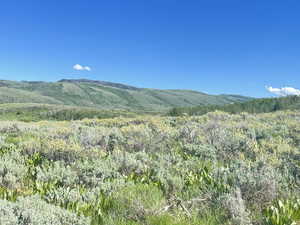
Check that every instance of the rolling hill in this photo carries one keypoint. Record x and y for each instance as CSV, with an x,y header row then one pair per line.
x,y
106,95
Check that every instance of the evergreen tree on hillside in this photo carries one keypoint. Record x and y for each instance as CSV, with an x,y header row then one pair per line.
x,y
263,105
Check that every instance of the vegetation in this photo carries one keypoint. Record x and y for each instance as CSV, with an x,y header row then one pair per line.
x,y
214,169
106,95
36,112
263,105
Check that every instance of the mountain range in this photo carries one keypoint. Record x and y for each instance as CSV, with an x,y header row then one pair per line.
x,y
106,95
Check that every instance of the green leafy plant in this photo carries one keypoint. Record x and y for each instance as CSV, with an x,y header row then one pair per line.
x,y
283,212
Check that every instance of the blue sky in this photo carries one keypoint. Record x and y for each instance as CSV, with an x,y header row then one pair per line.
x,y
215,46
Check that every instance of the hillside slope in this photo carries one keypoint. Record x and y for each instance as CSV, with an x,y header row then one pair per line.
x,y
106,95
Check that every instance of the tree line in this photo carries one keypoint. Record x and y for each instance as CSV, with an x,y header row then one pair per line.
x,y
262,105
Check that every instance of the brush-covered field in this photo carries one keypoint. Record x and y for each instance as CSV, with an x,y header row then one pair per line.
x,y
214,169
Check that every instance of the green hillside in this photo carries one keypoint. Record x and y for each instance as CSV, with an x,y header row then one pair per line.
x,y
106,95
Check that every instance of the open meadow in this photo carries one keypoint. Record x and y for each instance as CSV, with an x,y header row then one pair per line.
x,y
214,169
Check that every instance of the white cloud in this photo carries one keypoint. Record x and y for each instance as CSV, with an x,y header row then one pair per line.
x,y
80,67
87,68
284,91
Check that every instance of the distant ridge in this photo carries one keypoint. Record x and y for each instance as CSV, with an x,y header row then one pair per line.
x,y
106,95
105,83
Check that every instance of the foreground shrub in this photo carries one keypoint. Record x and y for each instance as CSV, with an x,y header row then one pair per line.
x,y
12,170
258,183
236,208
34,211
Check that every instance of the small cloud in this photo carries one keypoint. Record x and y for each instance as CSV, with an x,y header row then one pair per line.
x,y
80,67
284,91
87,68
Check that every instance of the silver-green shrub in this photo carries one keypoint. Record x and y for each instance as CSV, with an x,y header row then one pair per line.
x,y
34,211
58,173
235,206
12,170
